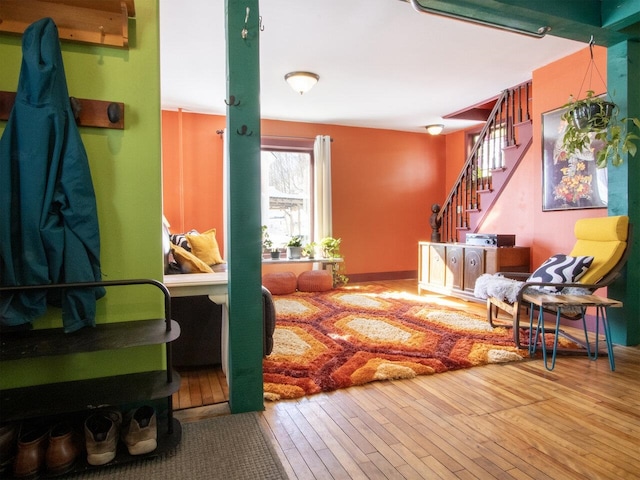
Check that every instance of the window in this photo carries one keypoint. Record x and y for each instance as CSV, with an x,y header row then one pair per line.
x,y
287,191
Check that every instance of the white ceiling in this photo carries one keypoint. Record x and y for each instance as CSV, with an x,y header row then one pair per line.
x,y
381,63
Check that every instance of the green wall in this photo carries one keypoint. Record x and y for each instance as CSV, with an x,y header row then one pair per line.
x,y
126,171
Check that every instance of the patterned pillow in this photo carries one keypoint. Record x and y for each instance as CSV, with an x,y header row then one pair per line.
x,y
561,269
180,239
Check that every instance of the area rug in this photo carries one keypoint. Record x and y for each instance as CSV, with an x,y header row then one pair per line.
x,y
232,447
358,334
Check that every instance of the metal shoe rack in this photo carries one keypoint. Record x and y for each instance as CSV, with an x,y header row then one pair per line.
x,y
49,400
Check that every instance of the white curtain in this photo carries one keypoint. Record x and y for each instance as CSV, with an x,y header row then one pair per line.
x,y
322,187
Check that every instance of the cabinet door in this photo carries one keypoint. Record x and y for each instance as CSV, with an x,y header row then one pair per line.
x,y
436,265
473,267
455,267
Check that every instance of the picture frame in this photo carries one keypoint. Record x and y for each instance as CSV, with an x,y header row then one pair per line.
x,y
569,182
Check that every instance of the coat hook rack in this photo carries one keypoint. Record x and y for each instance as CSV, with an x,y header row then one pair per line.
x,y
87,113
232,101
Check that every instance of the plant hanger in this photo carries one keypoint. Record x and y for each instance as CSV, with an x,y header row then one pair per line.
x,y
591,67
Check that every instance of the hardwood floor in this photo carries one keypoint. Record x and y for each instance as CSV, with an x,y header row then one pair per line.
x,y
510,421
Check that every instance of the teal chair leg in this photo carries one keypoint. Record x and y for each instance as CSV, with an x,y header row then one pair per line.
x,y
555,342
601,313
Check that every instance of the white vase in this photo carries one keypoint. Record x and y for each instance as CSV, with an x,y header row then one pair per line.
x,y
294,252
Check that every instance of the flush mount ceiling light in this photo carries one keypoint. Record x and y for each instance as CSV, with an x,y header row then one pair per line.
x,y
301,82
435,129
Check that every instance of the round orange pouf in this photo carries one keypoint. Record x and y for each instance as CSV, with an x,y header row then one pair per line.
x,y
280,283
315,281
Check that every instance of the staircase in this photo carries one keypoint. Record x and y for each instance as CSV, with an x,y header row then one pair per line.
x,y
500,146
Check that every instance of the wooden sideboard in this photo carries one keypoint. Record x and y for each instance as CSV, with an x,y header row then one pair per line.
x,y
452,268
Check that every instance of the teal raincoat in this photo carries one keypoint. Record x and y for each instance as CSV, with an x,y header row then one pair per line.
x,y
48,219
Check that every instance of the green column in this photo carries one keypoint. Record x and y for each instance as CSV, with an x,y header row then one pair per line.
x,y
243,207
623,76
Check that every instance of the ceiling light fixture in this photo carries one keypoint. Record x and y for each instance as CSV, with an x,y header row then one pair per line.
x,y
301,82
435,129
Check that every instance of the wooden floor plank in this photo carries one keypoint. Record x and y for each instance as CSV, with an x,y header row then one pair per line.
x,y
509,421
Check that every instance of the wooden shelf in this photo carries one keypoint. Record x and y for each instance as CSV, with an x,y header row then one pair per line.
x,y
108,336
101,22
79,395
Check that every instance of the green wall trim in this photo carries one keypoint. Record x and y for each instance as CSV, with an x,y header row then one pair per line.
x,y
243,208
623,70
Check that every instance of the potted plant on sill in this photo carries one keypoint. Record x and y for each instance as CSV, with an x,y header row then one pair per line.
x,y
594,120
294,247
309,250
267,244
330,248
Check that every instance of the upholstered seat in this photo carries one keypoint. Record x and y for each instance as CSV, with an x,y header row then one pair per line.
x,y
606,239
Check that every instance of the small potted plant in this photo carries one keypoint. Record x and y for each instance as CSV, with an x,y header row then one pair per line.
x,y
309,250
330,247
294,247
594,120
267,244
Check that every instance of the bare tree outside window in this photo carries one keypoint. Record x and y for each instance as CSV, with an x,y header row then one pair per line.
x,y
286,194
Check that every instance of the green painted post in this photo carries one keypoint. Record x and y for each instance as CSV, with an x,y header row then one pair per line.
x,y
623,74
243,207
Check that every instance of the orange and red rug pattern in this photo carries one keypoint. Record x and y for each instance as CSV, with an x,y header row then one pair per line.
x,y
354,335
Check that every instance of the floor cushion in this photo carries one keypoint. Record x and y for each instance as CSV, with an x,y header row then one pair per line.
x,y
315,281
280,283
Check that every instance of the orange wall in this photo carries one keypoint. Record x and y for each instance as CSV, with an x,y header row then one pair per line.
x,y
192,172
519,208
383,183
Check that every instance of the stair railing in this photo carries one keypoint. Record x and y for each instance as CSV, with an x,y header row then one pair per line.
x,y
486,156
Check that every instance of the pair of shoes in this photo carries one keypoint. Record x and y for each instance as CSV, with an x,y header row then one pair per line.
x,y
140,431
55,448
8,439
101,431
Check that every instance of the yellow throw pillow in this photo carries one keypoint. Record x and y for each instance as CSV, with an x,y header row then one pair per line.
x,y
205,247
188,262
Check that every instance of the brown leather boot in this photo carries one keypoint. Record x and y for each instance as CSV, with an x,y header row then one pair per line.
x,y
8,440
63,449
30,457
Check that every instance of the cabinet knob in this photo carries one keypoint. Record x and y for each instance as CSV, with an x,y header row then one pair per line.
x,y
472,262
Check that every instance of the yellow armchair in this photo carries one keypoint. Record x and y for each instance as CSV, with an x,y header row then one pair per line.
x,y
606,239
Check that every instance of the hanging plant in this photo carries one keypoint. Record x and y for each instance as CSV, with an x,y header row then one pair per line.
x,y
593,123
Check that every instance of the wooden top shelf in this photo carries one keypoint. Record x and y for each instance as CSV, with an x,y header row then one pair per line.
x,y
101,22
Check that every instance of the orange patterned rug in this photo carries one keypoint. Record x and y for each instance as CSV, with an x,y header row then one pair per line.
x,y
354,335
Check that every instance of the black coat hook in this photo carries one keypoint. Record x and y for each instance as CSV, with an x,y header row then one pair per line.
x,y
113,112
243,131
232,101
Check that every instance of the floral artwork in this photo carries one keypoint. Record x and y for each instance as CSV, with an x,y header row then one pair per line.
x,y
570,181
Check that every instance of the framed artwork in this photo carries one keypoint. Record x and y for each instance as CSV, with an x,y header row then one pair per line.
x,y
569,181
